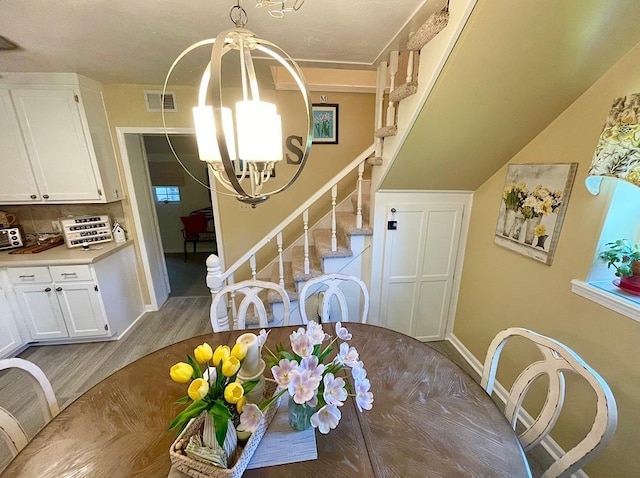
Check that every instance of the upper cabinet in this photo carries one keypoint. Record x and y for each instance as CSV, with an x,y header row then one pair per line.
x,y
55,142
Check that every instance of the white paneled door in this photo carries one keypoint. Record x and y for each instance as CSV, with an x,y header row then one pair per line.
x,y
420,257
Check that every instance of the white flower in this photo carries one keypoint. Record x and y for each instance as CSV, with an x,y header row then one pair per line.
x,y
342,332
364,398
347,356
301,387
282,370
334,391
309,366
250,418
302,344
359,373
315,332
262,337
326,418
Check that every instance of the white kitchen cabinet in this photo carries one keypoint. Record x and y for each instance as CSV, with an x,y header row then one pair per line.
x,y
62,307
78,302
57,147
10,339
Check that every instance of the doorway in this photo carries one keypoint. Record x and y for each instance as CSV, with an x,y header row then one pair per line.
x,y
156,215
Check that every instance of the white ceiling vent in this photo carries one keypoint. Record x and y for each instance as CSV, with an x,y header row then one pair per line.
x,y
154,101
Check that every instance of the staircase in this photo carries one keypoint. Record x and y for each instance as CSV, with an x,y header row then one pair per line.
x,y
343,240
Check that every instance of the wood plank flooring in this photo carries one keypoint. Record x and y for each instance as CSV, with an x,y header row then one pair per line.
x,y
73,369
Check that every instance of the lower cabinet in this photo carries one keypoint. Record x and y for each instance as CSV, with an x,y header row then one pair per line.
x,y
10,339
71,303
53,310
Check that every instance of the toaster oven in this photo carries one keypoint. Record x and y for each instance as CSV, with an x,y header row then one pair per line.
x,y
11,237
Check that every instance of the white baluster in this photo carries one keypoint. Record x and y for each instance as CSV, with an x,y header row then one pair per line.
x,y
334,238
305,225
215,283
234,309
381,85
252,264
359,199
393,70
410,64
280,262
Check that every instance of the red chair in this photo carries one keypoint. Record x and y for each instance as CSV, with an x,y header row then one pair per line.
x,y
195,230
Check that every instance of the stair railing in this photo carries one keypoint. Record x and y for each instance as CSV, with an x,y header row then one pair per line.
x,y
216,278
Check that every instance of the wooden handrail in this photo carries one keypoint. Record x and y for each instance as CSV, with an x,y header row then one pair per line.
x,y
289,219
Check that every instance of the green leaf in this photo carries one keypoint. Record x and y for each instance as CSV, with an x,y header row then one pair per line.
x,y
221,425
220,409
287,355
183,400
187,414
197,373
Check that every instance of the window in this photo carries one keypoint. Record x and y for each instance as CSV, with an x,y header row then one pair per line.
x,y
167,194
623,221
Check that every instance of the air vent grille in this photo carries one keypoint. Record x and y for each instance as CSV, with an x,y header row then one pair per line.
x,y
154,101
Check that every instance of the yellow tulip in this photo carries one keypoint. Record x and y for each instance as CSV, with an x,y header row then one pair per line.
x,y
203,353
239,351
181,372
241,403
233,392
222,352
198,389
230,366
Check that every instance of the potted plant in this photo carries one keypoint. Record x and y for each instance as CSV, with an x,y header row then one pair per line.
x,y
624,256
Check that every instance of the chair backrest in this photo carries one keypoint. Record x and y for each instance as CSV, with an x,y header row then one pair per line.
x,y
10,427
220,319
194,223
333,283
557,359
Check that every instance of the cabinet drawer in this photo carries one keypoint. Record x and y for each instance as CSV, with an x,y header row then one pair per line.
x,y
28,275
70,273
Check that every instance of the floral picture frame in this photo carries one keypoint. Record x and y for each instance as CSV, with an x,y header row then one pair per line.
x,y
325,123
532,208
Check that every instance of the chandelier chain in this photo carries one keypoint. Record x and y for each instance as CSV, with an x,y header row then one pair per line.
x,y
238,15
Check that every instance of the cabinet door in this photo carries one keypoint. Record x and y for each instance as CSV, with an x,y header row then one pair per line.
x,y
16,181
54,134
82,310
41,310
10,339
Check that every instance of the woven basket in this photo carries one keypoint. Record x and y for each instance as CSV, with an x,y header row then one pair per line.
x,y
241,457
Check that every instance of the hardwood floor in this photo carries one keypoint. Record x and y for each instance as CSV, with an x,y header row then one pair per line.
x,y
73,369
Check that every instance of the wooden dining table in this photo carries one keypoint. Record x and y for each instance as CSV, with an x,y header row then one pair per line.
x,y
429,419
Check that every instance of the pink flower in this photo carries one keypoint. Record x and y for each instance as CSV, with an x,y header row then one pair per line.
x,y
326,419
309,366
358,373
364,398
301,387
262,337
347,356
342,332
315,332
334,391
302,345
281,372
250,418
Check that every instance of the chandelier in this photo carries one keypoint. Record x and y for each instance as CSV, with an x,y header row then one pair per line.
x,y
242,147
277,9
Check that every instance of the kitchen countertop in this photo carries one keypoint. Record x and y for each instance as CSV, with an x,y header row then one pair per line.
x,y
62,256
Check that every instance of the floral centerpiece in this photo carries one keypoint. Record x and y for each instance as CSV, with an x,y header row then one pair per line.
x,y
314,376
215,391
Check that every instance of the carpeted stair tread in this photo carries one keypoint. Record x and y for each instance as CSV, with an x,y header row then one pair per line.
x,y
346,222
434,25
289,283
322,243
404,91
297,264
386,131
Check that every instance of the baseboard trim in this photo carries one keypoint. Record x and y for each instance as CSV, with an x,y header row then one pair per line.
x,y
549,444
131,326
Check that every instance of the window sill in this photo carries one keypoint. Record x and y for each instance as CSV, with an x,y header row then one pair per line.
x,y
609,296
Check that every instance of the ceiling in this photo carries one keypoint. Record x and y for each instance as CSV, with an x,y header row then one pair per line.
x,y
135,41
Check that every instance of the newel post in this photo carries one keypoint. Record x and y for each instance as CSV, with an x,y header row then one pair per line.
x,y
215,284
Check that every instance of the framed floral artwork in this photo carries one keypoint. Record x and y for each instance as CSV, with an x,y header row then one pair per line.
x,y
325,123
532,209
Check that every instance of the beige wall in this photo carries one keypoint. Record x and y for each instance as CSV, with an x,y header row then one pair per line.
x,y
501,289
240,230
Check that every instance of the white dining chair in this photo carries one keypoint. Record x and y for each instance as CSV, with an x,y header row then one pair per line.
x,y
334,285
10,428
557,359
225,313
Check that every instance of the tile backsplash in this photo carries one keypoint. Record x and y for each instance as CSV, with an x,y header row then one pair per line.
x,y
37,218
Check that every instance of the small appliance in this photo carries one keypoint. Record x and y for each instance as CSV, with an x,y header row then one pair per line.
x,y
85,230
11,237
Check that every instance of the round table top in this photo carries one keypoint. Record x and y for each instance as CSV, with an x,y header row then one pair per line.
x,y
429,418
